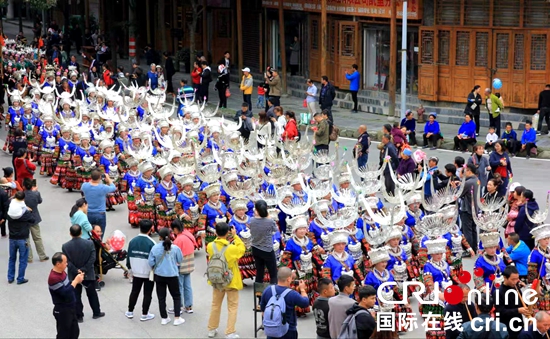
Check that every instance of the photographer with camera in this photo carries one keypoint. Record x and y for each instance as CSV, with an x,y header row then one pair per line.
x,y
95,193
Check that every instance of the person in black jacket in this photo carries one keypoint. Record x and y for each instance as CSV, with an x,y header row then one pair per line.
x,y
473,106
508,306
169,72
4,204
467,311
364,320
206,78
328,93
32,200
389,150
222,84
20,219
81,255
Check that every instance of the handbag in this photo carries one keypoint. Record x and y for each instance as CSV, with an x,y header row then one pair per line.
x,y
27,167
304,104
152,273
227,93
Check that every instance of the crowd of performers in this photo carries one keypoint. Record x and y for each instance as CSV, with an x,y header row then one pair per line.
x,y
195,167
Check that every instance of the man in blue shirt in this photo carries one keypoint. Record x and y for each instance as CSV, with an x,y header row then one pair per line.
x,y
409,122
292,299
95,193
353,79
466,134
528,139
519,253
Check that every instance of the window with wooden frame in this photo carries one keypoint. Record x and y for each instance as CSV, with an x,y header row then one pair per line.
x,y
448,13
536,13
462,48
482,49
538,52
315,34
519,51
476,12
427,50
505,13
444,48
502,48
348,40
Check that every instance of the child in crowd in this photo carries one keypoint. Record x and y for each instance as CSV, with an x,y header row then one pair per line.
x,y
491,138
510,139
320,307
260,103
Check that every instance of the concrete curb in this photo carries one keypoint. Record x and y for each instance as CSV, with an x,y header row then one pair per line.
x,y
9,21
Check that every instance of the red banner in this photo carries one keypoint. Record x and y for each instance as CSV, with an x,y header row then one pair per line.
x,y
369,8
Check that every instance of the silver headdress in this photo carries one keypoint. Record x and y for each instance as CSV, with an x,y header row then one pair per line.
x,y
436,246
541,232
490,239
379,255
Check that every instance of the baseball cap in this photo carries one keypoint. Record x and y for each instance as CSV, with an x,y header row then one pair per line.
x,y
246,69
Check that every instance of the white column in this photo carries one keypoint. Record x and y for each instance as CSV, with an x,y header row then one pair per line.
x,y
11,9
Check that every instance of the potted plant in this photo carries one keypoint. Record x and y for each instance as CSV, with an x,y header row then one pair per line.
x,y
183,56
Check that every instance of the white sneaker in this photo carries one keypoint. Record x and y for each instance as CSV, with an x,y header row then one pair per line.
x,y
145,317
165,321
232,335
213,333
170,311
178,321
129,315
188,310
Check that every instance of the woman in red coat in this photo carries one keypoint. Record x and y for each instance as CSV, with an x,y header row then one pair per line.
x,y
107,76
196,75
291,128
24,168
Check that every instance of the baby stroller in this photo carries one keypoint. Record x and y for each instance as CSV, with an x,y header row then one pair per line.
x,y
106,260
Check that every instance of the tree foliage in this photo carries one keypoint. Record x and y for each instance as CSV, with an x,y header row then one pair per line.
x,y
41,4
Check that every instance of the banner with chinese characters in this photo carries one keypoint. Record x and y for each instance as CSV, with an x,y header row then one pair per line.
x,y
372,8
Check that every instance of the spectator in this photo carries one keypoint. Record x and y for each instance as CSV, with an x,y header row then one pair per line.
x,y
466,134
293,299
262,228
544,108
528,139
361,149
232,254
247,125
515,202
32,200
481,164
339,304
4,205
398,137
509,308
264,128
510,139
169,72
467,311
64,297
363,320
164,260
491,191
137,75
107,75
494,107
500,163
490,139
187,244
354,79
407,165
523,225
321,132
79,217
294,56
280,120
275,87
24,168
311,95
432,133
95,193
291,129
326,97
20,142
8,175
206,79
196,76
243,111
491,328
152,75
541,331
466,210
519,253
320,307
138,262
473,106
222,84
409,122
261,97
247,86
20,219
81,256
389,149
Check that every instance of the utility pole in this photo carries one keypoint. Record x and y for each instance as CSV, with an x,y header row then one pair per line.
x,y
324,37
20,10
393,59
282,43
240,35
404,61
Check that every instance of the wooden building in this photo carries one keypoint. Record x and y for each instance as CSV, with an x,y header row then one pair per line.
x,y
468,42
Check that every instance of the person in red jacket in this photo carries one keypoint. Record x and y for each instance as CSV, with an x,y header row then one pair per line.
x,y
196,75
107,76
24,168
291,129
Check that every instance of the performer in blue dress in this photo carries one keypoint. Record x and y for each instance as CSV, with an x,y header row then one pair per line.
x,y
339,262
240,221
213,211
491,264
127,186
144,192
538,266
166,194
189,201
